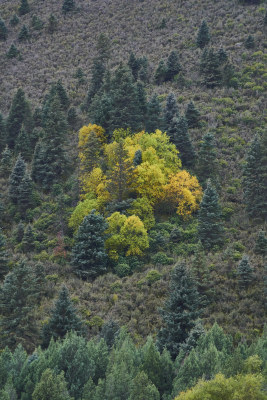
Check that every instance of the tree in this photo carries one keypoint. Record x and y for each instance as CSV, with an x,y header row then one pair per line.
x,y
192,115
62,95
142,102
249,42
13,52
210,229
154,114
14,20
207,159
245,273
88,254
97,79
137,160
15,179
3,30
36,23
171,110
52,24
103,47
178,133
63,319
23,145
109,332
51,387
210,69
160,73
6,162
181,310
23,34
203,36
27,243
2,133
173,66
261,244
142,388
24,7
25,197
134,65
68,5
3,256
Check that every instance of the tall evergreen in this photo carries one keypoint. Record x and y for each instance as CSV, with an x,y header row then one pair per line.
x,y
171,110
2,133
192,115
142,388
178,134
245,273
25,196
51,387
210,69
109,332
24,7
210,229
16,178
88,254
98,73
181,310
134,65
207,159
160,73
6,162
203,36
261,244
154,114
62,94
52,24
27,244
173,66
23,145
142,102
3,256
103,47
63,319
68,5
3,30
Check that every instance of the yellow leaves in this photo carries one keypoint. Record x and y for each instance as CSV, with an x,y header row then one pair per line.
x,y
149,181
184,192
95,182
85,131
142,208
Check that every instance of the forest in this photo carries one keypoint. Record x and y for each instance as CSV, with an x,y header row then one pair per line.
x,y
133,202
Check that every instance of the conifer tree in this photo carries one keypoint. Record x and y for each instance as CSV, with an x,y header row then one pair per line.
x,y
6,162
109,332
52,24
36,23
15,179
3,30
192,115
207,159
62,94
142,388
2,133
63,319
203,36
160,73
51,387
88,254
210,229
171,110
178,134
137,158
209,68
23,144
103,47
14,20
3,256
80,76
72,117
181,310
261,244
68,5
19,232
173,66
245,273
98,73
13,52
154,114
23,34
27,243
222,56
249,42
24,7
134,65
142,102
25,196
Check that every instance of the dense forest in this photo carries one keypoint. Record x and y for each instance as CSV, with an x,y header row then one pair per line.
x,y
133,203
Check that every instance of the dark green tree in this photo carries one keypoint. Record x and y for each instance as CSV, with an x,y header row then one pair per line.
x,y
39,164
207,159
3,256
24,7
109,332
27,244
80,76
173,66
101,108
23,145
245,273
210,229
250,42
137,158
72,117
160,73
171,111
68,5
88,254
98,73
13,52
3,30
52,24
19,232
154,114
24,34
6,162
16,178
14,20
103,47
62,95
229,78
143,388
265,18
203,36
222,56
210,69
36,23
261,244
178,134
134,65
25,196
192,115
51,387
63,319
142,102
181,310
2,133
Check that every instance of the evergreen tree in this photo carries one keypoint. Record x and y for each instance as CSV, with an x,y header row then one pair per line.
x,y
62,95
154,114
210,229
207,159
80,76
142,388
160,73
15,179
23,145
39,164
2,134
51,387
245,273
24,34
261,244
3,256
63,319
36,23
68,5
192,115
52,24
249,42
181,310
137,158
171,110
6,162
14,20
109,332
178,134
3,30
72,117
134,65
27,243
103,47
25,196
24,7
142,102
203,36
13,52
209,68
173,66
16,304
19,233
229,76
222,56
98,73
19,114
88,254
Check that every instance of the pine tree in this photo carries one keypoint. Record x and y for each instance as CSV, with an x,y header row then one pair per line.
x,y
210,229
203,36
181,310
3,30
103,47
62,95
207,159
209,68
3,256
52,24
19,232
222,56
25,196
23,144
109,332
249,42
24,34
98,73
137,160
24,7
39,164
68,5
63,319
261,244
88,254
27,243
171,110
2,133
229,76
154,115
72,117
134,65
142,388
36,23
142,102
80,76
245,273
6,162
178,134
51,387
192,115
160,73
173,66
15,179
13,52
14,20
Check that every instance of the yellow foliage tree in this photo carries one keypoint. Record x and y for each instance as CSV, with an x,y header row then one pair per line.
x,y
149,181
142,209
81,210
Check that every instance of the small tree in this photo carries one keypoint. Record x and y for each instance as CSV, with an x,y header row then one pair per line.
x,y
160,73
173,66
142,388
16,178
210,68
178,133
3,30
261,244
207,159
171,110
25,197
27,243
52,24
68,5
24,34
203,36
24,7
250,42
192,115
154,114
13,52
6,162
2,133
51,387
14,20
109,332
245,273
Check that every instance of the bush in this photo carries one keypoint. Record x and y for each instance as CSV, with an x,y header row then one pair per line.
x,y
161,259
122,270
153,276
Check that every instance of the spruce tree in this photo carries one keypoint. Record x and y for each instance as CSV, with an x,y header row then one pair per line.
x,y
14,20
134,65
207,159
63,319
24,7
3,30
15,179
160,73
88,254
52,24
210,69
137,160
25,196
23,145
245,273
192,115
142,102
19,232
51,387
261,244
98,73
62,95
23,34
203,36
36,23
173,66
222,56
103,47
154,115
142,388
109,332
13,52
80,76
2,133
6,162
178,134
3,256
210,229
68,5
249,42
27,244
181,310
171,110
72,117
